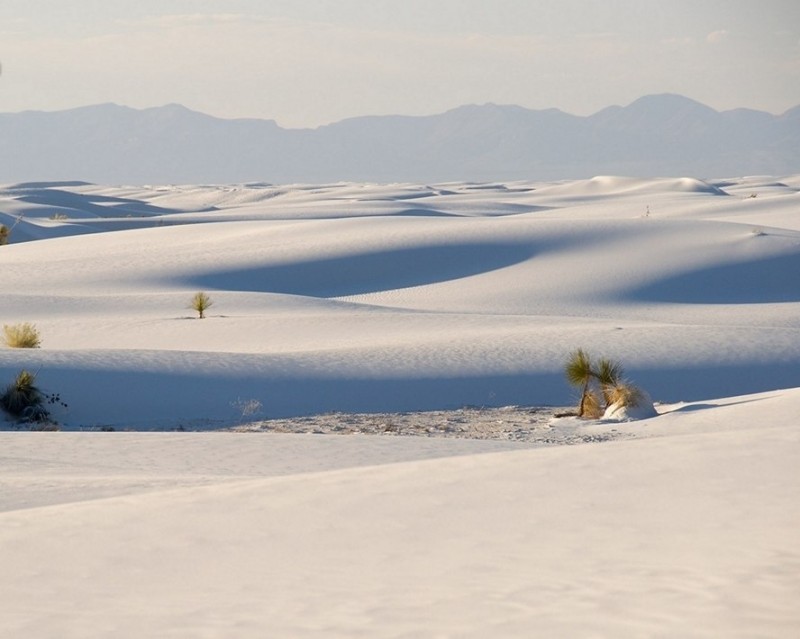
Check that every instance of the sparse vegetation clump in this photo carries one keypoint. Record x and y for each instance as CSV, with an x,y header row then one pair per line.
x,y
591,406
602,384
5,231
23,400
200,303
24,335
579,373
26,403
625,394
609,375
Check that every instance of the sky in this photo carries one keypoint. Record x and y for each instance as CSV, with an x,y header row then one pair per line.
x,y
306,63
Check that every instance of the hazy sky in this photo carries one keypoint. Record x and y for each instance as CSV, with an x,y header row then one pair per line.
x,y
311,62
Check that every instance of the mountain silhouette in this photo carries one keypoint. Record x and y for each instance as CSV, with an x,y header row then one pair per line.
x,y
657,135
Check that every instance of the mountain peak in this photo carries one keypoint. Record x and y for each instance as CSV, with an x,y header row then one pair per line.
x,y
663,111
668,101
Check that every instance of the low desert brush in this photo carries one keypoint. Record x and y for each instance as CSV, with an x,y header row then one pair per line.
x,y
24,335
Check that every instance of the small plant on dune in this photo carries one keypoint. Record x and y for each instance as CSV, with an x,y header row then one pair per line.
x,y
579,373
24,335
5,231
591,405
601,384
201,302
608,374
23,400
625,394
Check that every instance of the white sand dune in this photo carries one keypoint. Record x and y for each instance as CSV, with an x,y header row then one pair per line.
x,y
361,297
689,532
398,297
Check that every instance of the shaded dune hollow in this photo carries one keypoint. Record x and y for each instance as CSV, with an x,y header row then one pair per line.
x,y
771,279
370,272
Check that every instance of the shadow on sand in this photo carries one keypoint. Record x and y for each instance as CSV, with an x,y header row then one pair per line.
x,y
370,272
768,280
692,408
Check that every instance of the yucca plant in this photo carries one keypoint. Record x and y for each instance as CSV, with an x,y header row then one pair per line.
x,y
201,302
579,373
582,372
609,375
592,405
24,335
625,394
21,397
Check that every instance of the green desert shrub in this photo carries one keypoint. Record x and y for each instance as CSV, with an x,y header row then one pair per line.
x,y
24,335
4,233
201,302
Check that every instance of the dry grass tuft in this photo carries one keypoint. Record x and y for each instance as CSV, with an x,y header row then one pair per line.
x,y
625,394
592,407
24,335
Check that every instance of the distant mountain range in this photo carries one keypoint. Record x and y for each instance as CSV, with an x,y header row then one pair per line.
x,y
658,135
